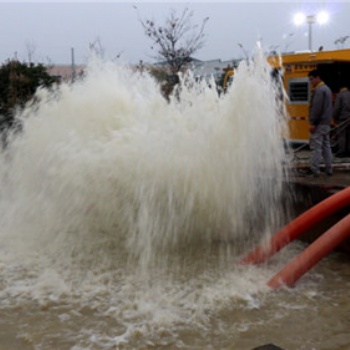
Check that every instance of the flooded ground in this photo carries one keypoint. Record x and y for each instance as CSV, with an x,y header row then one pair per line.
x,y
217,310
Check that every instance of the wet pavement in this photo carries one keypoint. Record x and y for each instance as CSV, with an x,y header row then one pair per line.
x,y
299,162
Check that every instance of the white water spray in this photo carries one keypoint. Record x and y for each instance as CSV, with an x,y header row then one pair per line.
x,y
117,204
106,171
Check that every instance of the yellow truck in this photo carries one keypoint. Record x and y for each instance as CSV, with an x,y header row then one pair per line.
x,y
334,67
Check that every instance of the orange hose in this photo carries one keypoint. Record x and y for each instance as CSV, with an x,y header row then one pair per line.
x,y
312,254
298,226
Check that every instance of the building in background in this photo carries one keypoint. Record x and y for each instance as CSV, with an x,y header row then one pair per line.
x,y
66,73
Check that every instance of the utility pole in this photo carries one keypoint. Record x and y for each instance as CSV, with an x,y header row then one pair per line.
x,y
73,65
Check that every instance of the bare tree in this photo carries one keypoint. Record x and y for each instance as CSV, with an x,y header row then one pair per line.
x,y
341,41
49,63
177,39
30,51
288,42
96,48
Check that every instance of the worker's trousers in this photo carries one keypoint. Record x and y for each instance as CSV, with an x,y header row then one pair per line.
x,y
321,149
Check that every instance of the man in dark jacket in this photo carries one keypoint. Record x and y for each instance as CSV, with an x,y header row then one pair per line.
x,y
320,117
341,115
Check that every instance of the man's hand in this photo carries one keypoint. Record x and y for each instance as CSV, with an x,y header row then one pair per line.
x,y
312,128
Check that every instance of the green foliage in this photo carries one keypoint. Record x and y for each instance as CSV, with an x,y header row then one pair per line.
x,y
18,84
166,81
158,74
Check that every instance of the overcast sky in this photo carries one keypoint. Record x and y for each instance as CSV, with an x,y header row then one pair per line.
x,y
47,30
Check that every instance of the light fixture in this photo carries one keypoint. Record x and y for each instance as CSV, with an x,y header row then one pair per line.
x,y
300,19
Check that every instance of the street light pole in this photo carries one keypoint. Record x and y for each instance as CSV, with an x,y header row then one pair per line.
x,y
310,20
301,18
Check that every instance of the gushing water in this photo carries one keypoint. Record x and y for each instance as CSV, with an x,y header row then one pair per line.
x,y
114,198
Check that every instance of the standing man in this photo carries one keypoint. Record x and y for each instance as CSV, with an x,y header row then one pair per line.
x,y
320,117
341,115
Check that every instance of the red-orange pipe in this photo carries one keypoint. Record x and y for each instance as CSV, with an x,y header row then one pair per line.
x,y
312,254
298,226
